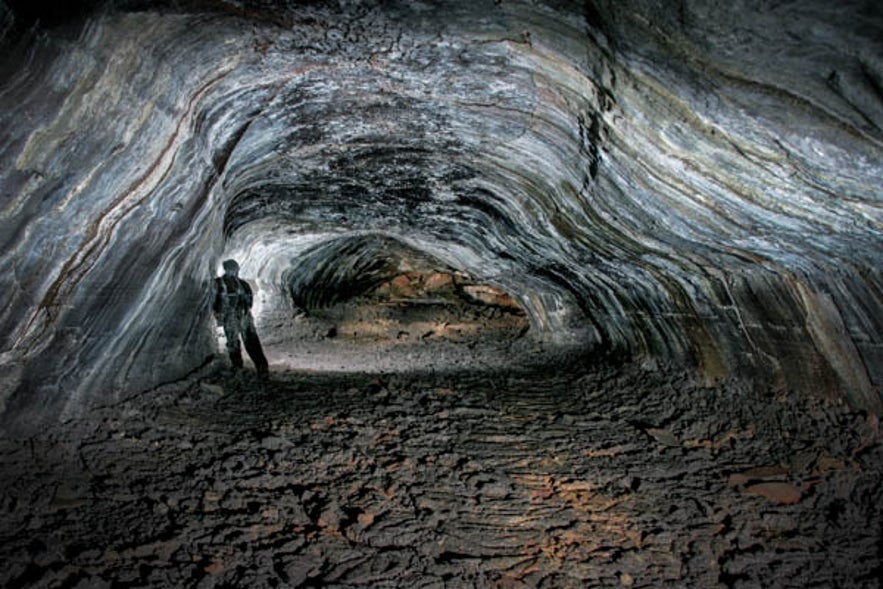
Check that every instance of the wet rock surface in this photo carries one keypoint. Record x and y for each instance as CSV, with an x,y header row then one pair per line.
x,y
532,478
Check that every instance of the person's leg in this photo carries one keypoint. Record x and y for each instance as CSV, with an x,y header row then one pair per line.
x,y
254,349
234,349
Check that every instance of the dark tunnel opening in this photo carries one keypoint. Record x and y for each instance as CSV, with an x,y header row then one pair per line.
x,y
373,303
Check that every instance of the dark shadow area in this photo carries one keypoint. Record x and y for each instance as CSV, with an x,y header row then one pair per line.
x,y
48,14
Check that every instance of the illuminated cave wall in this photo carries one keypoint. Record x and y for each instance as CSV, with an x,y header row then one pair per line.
x,y
695,184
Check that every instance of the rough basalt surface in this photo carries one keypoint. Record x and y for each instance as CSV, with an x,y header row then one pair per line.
x,y
617,478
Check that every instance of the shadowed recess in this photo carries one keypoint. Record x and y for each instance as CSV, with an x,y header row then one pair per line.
x,y
344,268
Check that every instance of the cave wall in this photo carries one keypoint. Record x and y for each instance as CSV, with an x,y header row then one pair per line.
x,y
696,186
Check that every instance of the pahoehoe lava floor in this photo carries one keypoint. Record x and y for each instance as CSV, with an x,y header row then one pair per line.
x,y
611,478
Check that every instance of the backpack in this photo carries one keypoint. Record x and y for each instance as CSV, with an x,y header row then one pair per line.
x,y
236,299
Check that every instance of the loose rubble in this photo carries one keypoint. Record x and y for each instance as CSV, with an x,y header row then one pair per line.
x,y
617,477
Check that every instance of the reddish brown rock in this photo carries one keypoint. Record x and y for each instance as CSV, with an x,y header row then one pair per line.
x,y
784,493
758,473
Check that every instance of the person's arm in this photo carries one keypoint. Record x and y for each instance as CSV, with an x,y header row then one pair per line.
x,y
218,302
249,298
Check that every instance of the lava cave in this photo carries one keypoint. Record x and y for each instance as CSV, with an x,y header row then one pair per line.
x,y
554,293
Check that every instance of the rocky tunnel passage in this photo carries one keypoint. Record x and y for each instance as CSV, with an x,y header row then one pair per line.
x,y
683,187
479,187
370,303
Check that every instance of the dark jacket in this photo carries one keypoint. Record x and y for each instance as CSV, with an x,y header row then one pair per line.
x,y
232,295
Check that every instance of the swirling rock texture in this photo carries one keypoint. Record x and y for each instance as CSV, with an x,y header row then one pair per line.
x,y
690,187
694,185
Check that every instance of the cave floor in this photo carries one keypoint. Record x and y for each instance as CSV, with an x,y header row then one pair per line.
x,y
614,478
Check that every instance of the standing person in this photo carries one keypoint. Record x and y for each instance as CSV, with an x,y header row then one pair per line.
x,y
232,308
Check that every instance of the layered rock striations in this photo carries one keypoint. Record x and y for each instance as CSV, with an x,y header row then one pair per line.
x,y
680,185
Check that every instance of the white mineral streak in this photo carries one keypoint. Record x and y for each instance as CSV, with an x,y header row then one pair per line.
x,y
661,191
